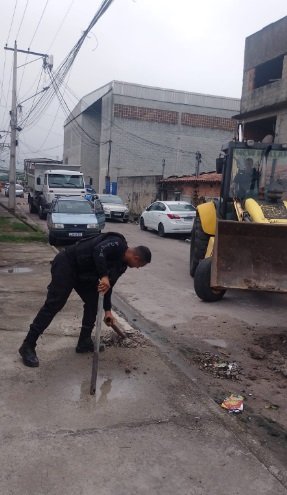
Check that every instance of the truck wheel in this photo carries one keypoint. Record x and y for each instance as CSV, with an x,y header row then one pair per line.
x,y
32,208
202,283
198,245
42,214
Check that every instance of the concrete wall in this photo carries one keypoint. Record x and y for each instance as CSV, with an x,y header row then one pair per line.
x,y
274,93
266,44
72,142
90,149
138,192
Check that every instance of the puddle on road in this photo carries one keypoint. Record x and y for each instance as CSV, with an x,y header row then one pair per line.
x,y
216,342
108,389
16,270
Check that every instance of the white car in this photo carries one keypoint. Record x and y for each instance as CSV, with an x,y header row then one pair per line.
x,y
114,207
19,190
168,217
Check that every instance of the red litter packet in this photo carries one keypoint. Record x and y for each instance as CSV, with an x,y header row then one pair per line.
x,y
233,403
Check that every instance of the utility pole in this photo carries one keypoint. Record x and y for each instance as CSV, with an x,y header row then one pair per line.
x,y
13,122
12,171
198,162
108,180
163,167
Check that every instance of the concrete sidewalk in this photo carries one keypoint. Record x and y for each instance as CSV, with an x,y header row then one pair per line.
x,y
147,431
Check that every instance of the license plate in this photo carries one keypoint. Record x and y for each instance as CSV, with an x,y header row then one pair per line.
x,y
75,234
117,214
188,218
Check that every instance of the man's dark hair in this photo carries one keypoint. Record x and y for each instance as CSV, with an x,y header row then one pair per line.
x,y
143,253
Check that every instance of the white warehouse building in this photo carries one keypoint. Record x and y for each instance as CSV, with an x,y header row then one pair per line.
x,y
130,130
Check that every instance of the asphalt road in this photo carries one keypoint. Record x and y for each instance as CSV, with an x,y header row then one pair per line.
x,y
168,289
245,327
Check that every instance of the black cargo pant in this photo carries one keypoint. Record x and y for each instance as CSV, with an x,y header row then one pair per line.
x,y
64,280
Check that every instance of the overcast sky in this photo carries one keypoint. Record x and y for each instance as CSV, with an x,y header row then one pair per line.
x,y
189,45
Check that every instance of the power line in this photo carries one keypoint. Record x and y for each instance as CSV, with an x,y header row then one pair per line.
x,y
66,65
32,39
39,22
12,20
21,22
61,24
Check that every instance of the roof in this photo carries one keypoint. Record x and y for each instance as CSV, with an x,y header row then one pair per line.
x,y
140,91
210,177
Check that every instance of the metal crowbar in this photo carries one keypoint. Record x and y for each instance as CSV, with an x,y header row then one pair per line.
x,y
96,340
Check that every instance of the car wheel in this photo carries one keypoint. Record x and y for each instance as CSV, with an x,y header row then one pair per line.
x,y
52,240
160,230
202,283
142,225
125,220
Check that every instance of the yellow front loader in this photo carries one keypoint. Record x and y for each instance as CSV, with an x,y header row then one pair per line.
x,y
240,241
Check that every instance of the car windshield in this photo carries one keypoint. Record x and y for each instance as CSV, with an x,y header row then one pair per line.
x,y
66,181
18,186
111,199
73,207
181,207
259,174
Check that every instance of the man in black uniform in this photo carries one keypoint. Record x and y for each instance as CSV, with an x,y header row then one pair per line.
x,y
90,266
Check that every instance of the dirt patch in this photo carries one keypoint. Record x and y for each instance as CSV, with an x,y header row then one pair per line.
x,y
133,339
260,374
274,342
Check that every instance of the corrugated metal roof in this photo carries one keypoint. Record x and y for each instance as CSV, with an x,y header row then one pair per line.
x,y
89,100
205,177
175,96
156,94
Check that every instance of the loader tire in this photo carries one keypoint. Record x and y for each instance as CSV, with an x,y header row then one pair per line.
x,y
202,283
198,245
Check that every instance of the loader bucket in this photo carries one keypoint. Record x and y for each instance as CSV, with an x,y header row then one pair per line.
x,y
250,256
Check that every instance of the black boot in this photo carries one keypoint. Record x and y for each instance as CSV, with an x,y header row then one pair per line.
x,y
87,345
28,354
85,342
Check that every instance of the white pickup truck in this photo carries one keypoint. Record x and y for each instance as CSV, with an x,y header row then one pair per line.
x,y
47,179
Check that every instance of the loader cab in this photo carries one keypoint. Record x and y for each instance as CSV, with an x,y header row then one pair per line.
x,y
252,170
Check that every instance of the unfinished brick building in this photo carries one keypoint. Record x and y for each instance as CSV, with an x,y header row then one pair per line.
x,y
263,108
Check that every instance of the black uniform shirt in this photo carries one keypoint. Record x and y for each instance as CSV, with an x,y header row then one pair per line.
x,y
99,256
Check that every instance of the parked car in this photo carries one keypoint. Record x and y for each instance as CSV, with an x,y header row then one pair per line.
x,y
168,217
114,207
74,218
19,190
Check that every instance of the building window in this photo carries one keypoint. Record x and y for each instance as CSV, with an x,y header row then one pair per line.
x,y
258,129
269,72
177,195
